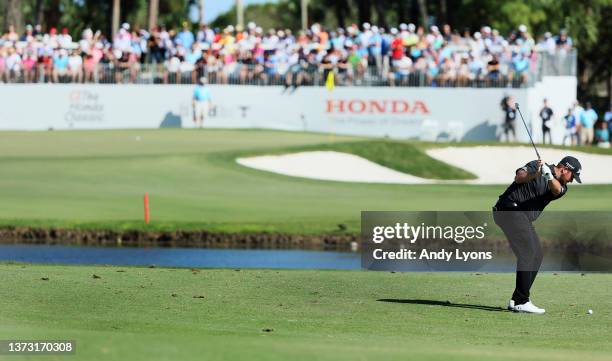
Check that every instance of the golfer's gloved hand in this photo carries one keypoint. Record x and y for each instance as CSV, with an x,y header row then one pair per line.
x,y
546,172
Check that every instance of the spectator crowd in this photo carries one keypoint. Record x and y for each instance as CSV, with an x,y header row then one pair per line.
x,y
581,124
366,54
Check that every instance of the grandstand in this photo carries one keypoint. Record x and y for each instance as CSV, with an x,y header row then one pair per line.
x,y
367,63
358,55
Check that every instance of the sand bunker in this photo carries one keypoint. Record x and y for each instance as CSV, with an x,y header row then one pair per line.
x,y
329,165
492,165
496,165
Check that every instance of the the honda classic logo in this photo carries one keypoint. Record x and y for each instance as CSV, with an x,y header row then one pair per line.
x,y
359,106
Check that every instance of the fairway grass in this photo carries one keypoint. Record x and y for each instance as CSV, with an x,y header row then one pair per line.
x,y
97,179
151,314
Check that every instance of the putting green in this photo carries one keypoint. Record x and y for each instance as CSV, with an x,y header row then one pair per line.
x,y
96,179
144,314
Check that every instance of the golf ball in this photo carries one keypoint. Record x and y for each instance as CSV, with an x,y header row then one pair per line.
x,y
590,312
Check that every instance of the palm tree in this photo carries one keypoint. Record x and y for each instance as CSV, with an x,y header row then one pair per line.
x,y
423,12
39,12
115,16
153,13
13,15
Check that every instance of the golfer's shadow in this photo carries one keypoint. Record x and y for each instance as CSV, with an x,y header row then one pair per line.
x,y
443,303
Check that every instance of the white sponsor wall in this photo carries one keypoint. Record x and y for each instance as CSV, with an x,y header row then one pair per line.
x,y
424,113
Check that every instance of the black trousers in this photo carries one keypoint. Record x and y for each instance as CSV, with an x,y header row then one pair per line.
x,y
545,131
525,244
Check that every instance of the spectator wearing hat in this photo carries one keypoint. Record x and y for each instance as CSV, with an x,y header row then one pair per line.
x,y
64,39
28,34
563,41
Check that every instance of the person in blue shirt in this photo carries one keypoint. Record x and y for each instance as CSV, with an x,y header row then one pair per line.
x,y
60,65
202,102
608,115
602,136
587,124
185,37
608,119
570,127
520,66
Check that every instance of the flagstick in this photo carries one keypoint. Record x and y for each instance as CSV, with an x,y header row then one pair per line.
x,y
329,84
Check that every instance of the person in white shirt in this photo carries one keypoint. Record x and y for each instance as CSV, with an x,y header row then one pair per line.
x,y
12,64
75,66
577,111
64,39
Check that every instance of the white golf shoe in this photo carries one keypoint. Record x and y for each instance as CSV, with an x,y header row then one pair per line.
x,y
511,305
529,307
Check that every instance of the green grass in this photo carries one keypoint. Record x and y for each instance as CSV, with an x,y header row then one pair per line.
x,y
96,179
314,315
402,156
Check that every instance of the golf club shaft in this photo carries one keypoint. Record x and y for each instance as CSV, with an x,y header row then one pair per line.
x,y
528,132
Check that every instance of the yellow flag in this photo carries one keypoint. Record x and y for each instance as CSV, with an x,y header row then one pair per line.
x,y
329,83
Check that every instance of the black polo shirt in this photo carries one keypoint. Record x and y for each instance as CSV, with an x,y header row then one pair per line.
x,y
510,115
534,195
545,114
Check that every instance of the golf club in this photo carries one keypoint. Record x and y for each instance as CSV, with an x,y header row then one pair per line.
x,y
528,132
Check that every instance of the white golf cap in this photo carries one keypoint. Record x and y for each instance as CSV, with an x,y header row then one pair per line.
x,y
522,28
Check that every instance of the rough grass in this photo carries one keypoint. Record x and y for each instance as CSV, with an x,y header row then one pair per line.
x,y
145,314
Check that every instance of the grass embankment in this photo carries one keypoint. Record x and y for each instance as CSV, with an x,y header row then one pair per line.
x,y
401,156
151,314
96,180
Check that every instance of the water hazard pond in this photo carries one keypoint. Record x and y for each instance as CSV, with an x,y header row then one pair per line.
x,y
236,258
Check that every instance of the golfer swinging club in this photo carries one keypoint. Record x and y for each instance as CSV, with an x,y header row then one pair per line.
x,y
535,185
